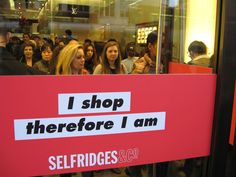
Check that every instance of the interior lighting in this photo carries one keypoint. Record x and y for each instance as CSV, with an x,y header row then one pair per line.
x,y
131,4
12,4
200,26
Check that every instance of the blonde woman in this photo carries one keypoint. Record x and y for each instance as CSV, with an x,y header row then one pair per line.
x,y
111,64
111,60
71,60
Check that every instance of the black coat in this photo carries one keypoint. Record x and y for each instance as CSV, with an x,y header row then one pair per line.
x,y
10,66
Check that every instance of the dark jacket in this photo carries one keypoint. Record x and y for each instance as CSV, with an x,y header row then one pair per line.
x,y
43,66
10,66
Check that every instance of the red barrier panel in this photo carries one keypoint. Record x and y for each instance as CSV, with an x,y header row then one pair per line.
x,y
185,68
52,125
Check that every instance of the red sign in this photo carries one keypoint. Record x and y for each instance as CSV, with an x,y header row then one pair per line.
x,y
55,124
185,68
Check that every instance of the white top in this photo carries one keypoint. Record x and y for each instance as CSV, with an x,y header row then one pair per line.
x,y
129,63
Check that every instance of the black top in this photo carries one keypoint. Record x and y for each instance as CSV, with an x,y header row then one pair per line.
x,y
113,71
10,66
88,65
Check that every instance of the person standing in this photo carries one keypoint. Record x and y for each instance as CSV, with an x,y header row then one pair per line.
x,y
8,63
91,59
71,62
111,64
198,53
129,61
111,60
147,65
44,64
68,36
25,40
28,57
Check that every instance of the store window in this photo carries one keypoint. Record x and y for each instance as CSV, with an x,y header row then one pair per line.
x,y
178,23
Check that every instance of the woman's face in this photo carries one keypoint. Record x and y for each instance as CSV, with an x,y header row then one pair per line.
x,y
28,52
153,49
78,61
89,53
47,54
112,53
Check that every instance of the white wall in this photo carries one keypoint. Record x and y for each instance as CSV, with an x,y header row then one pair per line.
x,y
200,24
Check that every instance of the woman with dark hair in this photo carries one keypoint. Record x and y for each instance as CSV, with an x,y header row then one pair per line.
x,y
111,64
44,64
111,60
28,54
54,60
91,59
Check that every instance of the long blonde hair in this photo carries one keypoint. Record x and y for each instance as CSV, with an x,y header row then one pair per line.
x,y
65,59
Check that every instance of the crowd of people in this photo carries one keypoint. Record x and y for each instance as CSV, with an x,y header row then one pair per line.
x,y
50,57
45,55
71,58
34,55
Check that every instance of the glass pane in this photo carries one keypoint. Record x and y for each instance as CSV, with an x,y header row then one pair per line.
x,y
178,23
192,34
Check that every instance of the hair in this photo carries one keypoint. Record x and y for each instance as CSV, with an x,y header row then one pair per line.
x,y
28,44
28,34
105,63
15,40
46,46
130,48
99,47
87,41
34,36
68,32
197,47
54,60
151,39
112,39
65,59
48,40
94,57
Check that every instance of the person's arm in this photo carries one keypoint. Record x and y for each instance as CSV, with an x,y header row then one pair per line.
x,y
139,66
124,69
98,69
36,65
